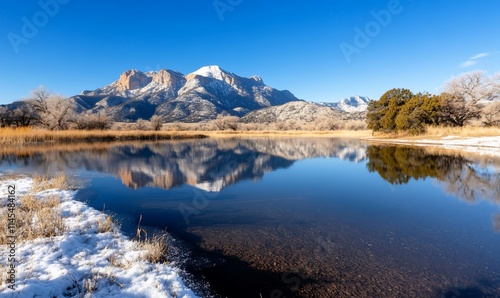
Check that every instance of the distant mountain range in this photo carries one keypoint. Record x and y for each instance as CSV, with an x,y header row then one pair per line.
x,y
198,96
203,95
351,104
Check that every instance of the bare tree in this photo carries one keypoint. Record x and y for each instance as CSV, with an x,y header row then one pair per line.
x,y
4,116
226,122
141,124
23,115
52,111
491,114
280,125
460,102
156,122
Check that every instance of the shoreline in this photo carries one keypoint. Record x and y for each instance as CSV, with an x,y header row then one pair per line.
x,y
480,145
90,256
477,140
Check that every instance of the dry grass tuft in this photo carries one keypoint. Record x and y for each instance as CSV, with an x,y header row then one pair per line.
x,y
92,283
155,247
108,225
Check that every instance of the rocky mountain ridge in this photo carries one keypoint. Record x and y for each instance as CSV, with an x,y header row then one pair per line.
x,y
198,96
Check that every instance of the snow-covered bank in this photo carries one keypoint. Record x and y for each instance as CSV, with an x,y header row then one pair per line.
x,y
84,261
481,145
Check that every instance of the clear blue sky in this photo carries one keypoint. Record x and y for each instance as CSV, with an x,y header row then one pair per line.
x,y
294,45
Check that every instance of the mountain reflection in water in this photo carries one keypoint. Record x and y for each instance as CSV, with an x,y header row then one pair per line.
x,y
304,217
209,165
212,165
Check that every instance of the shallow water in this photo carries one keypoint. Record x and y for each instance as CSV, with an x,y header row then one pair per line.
x,y
302,217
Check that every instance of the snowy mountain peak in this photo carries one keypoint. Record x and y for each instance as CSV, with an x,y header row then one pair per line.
x,y
356,101
350,104
212,71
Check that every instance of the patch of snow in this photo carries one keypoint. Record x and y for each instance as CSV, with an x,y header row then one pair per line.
x,y
59,266
212,71
481,145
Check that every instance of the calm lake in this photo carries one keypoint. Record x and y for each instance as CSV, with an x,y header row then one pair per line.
x,y
300,217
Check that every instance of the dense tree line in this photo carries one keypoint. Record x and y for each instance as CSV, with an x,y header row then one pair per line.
x,y
465,98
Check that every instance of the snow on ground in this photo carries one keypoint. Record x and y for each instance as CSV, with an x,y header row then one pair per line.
x,y
481,145
109,263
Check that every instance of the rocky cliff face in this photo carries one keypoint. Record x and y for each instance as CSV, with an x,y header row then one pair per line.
x,y
132,80
198,96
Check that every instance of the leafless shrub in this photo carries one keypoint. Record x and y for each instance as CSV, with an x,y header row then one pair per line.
x,y
355,125
491,114
328,124
156,122
279,125
141,124
22,115
92,121
226,122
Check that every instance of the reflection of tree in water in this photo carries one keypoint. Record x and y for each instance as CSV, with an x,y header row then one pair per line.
x,y
461,177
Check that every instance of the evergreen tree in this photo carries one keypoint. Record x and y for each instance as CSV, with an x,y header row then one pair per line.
x,y
382,114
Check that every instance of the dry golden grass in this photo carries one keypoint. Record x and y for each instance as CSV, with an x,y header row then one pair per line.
x,y
468,131
59,181
35,217
108,225
25,135
29,150
155,247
